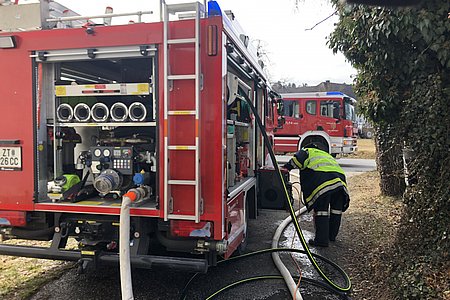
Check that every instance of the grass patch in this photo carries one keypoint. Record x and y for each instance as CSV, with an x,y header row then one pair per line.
x,y
366,149
20,277
372,223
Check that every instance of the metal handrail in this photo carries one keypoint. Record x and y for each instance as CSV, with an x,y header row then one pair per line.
x,y
75,18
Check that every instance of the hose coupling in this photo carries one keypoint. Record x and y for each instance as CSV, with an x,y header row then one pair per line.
x,y
220,247
140,193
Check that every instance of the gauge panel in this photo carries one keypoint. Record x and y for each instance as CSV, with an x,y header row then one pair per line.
x,y
117,158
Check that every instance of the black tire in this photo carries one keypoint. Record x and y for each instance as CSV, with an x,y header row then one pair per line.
x,y
369,134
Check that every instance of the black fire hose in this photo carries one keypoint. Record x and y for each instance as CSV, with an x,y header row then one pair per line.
x,y
342,295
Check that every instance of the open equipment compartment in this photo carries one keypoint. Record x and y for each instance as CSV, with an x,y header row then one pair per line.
x,y
100,133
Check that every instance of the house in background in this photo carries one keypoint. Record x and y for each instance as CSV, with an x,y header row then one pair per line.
x,y
325,86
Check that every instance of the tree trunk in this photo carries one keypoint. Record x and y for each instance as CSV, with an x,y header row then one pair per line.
x,y
389,162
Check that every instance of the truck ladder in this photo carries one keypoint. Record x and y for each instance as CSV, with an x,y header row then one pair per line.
x,y
169,182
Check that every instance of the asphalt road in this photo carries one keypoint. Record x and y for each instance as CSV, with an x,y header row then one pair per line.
x,y
354,165
349,165
162,284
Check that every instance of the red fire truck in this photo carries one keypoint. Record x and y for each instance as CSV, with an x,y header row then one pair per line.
x,y
325,118
90,112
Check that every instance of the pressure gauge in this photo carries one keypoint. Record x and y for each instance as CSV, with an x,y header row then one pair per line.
x,y
97,152
106,152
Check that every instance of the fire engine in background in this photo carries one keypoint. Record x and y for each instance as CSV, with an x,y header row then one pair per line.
x,y
325,118
89,113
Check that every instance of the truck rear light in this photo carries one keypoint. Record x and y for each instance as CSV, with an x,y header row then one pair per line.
x,y
13,218
212,40
190,229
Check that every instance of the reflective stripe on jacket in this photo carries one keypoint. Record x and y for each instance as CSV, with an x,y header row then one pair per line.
x,y
317,160
327,186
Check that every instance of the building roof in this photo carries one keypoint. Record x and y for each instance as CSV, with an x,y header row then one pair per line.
x,y
326,86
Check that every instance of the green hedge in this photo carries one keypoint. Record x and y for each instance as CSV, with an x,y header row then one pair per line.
x,y
403,62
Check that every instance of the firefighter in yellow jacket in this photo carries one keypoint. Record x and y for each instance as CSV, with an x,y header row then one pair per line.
x,y
324,190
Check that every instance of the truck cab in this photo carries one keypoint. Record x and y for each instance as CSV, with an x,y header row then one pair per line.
x,y
326,118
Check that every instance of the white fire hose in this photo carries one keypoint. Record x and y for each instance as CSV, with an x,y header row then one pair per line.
x,y
292,286
126,283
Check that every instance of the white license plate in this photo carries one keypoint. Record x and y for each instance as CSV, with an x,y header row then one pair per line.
x,y
10,158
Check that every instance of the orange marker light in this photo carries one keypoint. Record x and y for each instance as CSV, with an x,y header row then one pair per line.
x,y
212,40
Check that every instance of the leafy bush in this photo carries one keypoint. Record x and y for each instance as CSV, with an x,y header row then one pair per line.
x,y
403,62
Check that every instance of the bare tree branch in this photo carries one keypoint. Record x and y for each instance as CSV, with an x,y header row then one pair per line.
x,y
322,21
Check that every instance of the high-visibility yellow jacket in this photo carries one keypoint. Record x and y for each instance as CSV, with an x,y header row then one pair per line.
x,y
319,174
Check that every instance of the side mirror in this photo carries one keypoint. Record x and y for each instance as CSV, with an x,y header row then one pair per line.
x,y
280,107
280,122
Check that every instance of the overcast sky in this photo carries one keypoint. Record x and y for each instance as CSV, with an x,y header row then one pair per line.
x,y
296,55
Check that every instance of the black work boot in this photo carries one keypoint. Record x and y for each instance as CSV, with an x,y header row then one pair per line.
x,y
335,223
322,232
313,243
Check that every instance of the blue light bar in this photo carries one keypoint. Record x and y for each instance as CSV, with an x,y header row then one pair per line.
x,y
214,9
335,94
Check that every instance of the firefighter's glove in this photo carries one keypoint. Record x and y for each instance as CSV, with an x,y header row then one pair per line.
x,y
288,166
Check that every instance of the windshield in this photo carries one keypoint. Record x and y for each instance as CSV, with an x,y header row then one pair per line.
x,y
349,110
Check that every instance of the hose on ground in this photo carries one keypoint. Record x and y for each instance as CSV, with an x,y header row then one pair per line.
x,y
183,295
292,286
316,283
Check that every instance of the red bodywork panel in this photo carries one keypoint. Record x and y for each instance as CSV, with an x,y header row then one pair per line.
x,y
17,120
234,223
182,128
13,218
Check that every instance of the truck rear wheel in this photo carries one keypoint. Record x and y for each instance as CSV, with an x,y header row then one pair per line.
x,y
369,134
